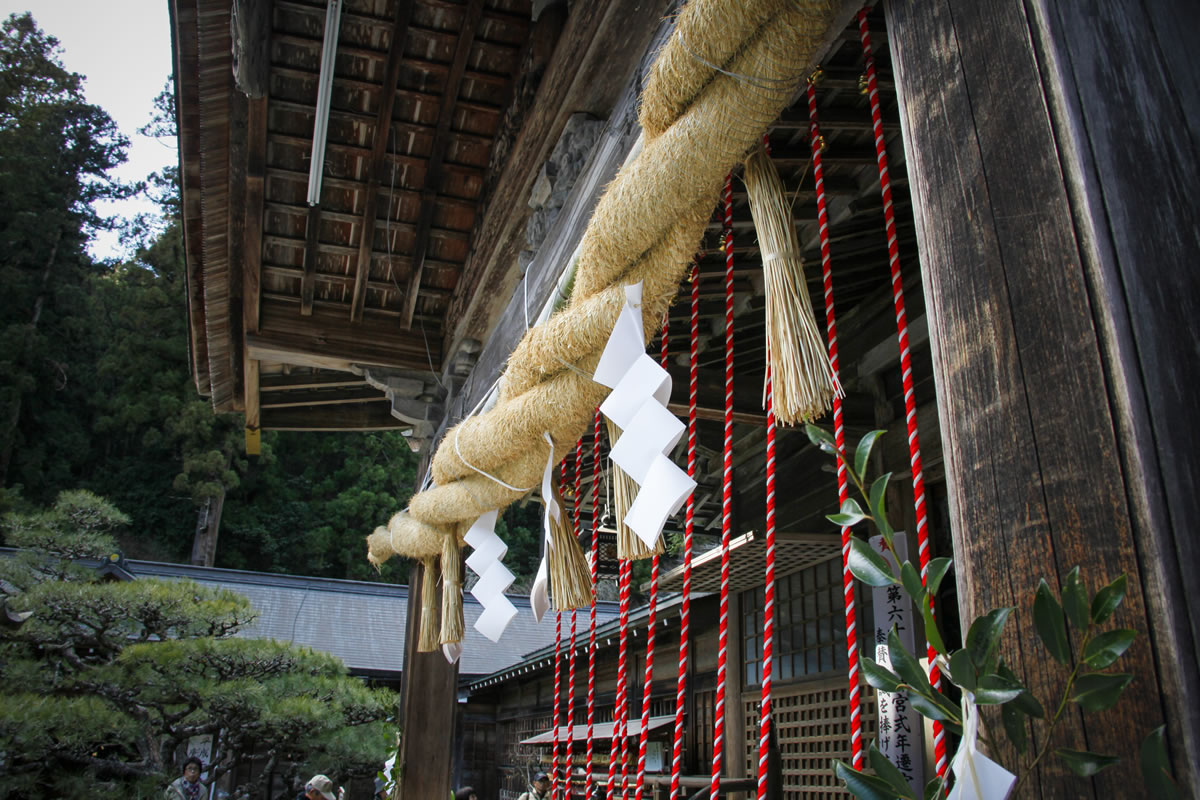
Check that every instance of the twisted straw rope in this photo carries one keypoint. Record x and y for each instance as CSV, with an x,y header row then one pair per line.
x,y
646,227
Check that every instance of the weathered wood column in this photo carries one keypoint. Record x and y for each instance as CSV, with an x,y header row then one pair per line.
x,y
429,704
1052,150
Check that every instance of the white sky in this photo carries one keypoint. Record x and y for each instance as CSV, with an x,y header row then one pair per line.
x,y
124,49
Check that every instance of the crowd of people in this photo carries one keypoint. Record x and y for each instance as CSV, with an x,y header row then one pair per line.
x,y
188,786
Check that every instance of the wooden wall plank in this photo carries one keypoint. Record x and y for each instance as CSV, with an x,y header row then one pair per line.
x,y
1033,470
1130,72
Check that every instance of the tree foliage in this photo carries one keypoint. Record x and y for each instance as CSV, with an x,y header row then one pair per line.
x,y
104,681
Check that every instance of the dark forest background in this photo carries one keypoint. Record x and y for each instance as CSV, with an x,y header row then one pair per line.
x,y
95,388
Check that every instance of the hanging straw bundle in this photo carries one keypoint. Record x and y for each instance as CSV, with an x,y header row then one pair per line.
x,y
452,599
625,489
427,640
801,375
570,576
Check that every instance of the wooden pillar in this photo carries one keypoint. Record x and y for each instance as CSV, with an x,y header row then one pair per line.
x,y
1051,147
429,704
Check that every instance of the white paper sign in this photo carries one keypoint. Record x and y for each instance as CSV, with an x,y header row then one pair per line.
x,y
494,577
901,729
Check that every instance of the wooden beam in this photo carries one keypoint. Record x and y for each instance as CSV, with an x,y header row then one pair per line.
x,y
312,243
327,339
383,129
433,172
322,397
316,380
256,153
375,416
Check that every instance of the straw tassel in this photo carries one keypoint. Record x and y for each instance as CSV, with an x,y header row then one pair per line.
x,y
803,379
427,642
452,599
570,578
629,546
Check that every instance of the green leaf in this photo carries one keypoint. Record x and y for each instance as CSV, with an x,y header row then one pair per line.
x,y
821,438
1107,600
934,572
935,706
879,676
887,770
932,634
1026,703
962,669
863,453
933,789
1101,690
861,785
1051,627
905,665
1083,763
851,514
994,690
877,498
912,582
983,637
1108,647
868,566
1014,726
1156,769
1075,600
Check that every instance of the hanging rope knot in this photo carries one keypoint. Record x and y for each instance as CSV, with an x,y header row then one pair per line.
x,y
863,83
816,76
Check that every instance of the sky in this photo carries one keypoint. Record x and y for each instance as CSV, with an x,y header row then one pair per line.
x,y
123,47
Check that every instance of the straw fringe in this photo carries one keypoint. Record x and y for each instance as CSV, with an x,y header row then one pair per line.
x,y
427,640
648,224
629,545
801,375
452,599
570,576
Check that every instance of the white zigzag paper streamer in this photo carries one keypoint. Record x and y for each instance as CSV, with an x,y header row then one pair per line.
x,y
494,578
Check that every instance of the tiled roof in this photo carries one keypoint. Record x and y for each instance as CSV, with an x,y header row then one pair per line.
x,y
360,622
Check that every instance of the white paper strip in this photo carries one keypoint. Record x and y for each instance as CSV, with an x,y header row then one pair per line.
x,y
452,651
539,596
978,777
664,491
626,342
494,577
652,433
495,619
644,380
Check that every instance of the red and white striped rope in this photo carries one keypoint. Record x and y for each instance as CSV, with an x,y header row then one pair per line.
x,y
685,605
556,723
626,581
595,566
839,433
726,504
644,739
910,402
620,709
576,508
764,726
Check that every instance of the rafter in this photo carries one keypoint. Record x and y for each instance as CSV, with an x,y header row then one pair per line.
x,y
433,173
387,101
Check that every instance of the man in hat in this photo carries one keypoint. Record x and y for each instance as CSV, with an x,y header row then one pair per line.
x,y
539,789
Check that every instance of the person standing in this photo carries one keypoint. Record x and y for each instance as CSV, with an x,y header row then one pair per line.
x,y
539,789
187,786
319,787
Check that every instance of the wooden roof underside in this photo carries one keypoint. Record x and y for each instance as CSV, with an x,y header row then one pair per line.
x,y
359,283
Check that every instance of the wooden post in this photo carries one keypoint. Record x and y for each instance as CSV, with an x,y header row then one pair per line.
x,y
428,698
1050,154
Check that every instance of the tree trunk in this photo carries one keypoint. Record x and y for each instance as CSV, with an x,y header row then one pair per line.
x,y
208,526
